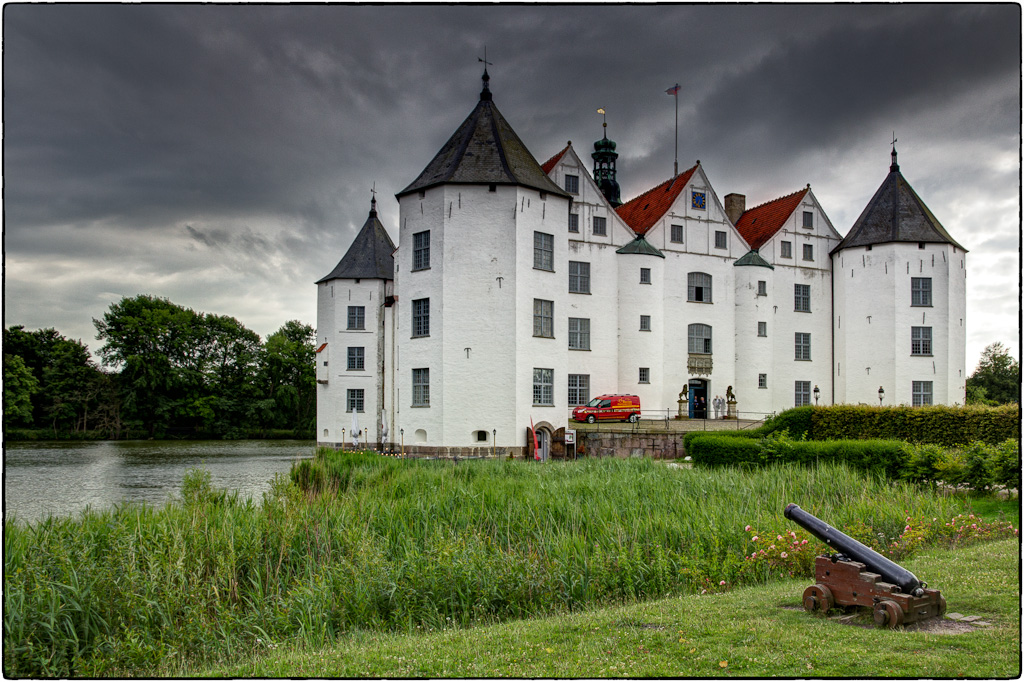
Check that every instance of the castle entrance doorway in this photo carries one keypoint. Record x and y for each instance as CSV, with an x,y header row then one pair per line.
x,y
698,399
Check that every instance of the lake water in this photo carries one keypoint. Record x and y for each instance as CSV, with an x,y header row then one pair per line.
x,y
61,478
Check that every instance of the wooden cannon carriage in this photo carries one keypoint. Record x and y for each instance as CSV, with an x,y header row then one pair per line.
x,y
856,575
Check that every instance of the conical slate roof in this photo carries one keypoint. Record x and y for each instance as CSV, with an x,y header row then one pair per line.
x,y
484,151
753,257
641,246
371,255
895,214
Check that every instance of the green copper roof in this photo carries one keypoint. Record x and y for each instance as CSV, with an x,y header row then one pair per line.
x,y
752,257
642,246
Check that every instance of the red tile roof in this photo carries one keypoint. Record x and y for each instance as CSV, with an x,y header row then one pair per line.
x,y
550,163
641,213
760,223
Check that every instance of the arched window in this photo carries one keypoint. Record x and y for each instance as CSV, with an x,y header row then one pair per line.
x,y
698,287
699,338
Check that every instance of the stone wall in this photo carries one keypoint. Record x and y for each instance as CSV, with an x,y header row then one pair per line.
x,y
655,445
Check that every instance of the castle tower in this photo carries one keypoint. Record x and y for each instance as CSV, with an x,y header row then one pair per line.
x,y
604,167
480,278
353,315
899,282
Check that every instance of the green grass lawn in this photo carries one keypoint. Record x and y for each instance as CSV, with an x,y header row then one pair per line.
x,y
749,632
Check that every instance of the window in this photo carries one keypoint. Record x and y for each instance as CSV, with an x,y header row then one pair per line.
x,y
787,249
920,291
699,338
543,251
356,317
600,225
645,275
421,388
762,381
808,251
543,316
921,393
762,329
802,393
543,386
579,277
802,346
808,219
698,287
574,222
354,403
579,333
645,375
802,298
762,287
677,234
481,436
579,389
645,323
719,239
421,317
355,357
421,250
572,184
920,340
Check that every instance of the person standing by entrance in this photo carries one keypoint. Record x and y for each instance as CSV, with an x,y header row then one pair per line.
x,y
716,405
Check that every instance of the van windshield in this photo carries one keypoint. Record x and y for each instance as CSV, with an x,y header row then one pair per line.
x,y
596,402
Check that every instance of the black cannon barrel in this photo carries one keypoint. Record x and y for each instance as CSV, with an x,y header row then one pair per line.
x,y
890,571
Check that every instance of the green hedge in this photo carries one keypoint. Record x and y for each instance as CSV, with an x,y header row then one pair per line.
x,y
939,424
882,456
978,466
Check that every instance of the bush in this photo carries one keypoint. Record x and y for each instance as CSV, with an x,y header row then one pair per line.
x,y
880,456
940,424
978,466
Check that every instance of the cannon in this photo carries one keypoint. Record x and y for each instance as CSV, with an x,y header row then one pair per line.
x,y
856,575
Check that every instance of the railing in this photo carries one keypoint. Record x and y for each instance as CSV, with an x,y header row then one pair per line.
x,y
666,420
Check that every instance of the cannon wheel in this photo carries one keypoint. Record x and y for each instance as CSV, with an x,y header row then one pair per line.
x,y
818,598
888,614
942,605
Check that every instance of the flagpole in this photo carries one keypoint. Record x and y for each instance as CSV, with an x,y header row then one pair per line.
x,y
675,165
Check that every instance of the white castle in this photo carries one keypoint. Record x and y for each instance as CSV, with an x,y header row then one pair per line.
x,y
519,290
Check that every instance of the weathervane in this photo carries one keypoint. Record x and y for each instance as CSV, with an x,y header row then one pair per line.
x,y
604,119
894,166
486,94
373,198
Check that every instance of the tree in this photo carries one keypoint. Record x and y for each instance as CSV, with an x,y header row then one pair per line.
x,y
997,378
19,387
288,378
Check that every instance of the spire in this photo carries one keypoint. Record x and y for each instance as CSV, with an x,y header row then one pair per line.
x,y
373,201
604,156
485,94
895,167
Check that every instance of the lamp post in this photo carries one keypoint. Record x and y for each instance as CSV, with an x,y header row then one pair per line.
x,y
881,395
402,434
343,440
494,438
817,392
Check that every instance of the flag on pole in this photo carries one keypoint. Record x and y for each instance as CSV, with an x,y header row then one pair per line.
x,y
536,447
674,90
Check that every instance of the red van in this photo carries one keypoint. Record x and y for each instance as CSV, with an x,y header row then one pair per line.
x,y
609,406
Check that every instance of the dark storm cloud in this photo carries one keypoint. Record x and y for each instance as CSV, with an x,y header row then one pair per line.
x,y
223,155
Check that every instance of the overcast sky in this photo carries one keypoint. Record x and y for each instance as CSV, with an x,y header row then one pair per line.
x,y
222,156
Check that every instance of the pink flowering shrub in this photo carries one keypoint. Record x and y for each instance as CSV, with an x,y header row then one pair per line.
x,y
793,553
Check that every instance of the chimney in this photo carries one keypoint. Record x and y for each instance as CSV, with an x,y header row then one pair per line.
x,y
735,205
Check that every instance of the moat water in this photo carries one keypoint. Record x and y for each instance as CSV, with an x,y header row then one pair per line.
x,y
61,478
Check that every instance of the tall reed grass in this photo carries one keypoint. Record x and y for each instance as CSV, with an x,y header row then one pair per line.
x,y
357,541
